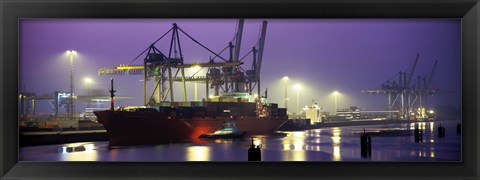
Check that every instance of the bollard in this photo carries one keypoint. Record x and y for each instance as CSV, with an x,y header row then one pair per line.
x,y
418,134
441,131
459,128
254,153
366,144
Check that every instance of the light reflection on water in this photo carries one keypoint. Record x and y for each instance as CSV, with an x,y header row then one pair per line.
x,y
198,153
336,139
294,146
78,152
393,142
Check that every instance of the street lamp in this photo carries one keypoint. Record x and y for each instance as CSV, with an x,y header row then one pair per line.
x,y
298,87
285,80
88,81
335,94
71,106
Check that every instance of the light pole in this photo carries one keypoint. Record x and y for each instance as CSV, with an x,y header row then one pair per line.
x,y
298,87
335,94
285,80
196,69
71,106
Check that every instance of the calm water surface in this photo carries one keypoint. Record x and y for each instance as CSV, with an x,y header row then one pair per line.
x,y
393,142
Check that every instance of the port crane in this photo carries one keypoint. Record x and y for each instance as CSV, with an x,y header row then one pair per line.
x,y
226,75
403,96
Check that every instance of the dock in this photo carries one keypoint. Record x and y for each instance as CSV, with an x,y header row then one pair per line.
x,y
61,137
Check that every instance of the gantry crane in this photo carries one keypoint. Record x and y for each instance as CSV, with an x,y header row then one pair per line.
x,y
227,76
403,96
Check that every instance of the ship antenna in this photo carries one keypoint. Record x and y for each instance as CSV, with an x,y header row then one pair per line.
x,y
112,94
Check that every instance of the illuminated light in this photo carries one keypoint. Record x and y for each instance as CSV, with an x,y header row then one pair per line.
x,y
297,87
257,142
89,147
431,111
198,153
432,154
298,134
88,80
336,93
64,150
298,146
285,78
286,147
336,153
71,52
75,144
211,96
412,125
298,143
336,140
196,67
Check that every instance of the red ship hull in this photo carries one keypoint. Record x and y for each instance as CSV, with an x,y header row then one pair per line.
x,y
138,128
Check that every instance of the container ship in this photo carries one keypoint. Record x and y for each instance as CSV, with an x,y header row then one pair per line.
x,y
165,121
186,121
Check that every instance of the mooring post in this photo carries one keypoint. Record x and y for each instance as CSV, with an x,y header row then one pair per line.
x,y
254,153
365,144
441,131
418,134
112,94
459,128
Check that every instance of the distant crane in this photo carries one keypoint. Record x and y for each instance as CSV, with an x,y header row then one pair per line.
x,y
402,96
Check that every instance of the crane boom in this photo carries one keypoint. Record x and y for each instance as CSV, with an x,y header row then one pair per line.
x,y
413,70
138,69
431,74
260,49
238,40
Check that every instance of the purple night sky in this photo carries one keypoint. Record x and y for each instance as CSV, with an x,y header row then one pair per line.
x,y
324,55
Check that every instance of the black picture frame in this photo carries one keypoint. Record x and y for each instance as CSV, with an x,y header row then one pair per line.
x,y
11,11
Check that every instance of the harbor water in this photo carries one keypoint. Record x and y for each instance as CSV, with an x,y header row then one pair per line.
x,y
389,142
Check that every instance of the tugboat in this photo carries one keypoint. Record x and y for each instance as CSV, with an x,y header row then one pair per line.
x,y
229,131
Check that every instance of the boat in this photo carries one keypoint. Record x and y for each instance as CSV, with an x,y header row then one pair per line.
x,y
229,131
186,121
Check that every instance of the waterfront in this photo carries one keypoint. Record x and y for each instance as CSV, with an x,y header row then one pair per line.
x,y
390,142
